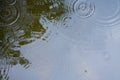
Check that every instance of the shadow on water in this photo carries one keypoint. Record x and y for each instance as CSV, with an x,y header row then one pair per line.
x,y
19,25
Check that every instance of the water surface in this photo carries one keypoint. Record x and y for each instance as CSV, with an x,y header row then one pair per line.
x,y
59,39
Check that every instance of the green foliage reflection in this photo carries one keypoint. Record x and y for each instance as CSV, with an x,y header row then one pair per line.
x,y
25,30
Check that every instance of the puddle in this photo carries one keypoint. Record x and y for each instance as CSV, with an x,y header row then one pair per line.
x,y
50,39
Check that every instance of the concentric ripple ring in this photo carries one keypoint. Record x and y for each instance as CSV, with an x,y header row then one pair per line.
x,y
82,8
112,19
8,15
10,2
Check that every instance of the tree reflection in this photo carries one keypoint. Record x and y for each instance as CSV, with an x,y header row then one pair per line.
x,y
11,41
12,37
52,9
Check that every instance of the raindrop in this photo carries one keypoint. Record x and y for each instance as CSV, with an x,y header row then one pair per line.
x,y
81,8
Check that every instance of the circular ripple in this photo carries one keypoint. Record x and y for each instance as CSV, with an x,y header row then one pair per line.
x,y
8,15
10,2
108,19
82,8
66,22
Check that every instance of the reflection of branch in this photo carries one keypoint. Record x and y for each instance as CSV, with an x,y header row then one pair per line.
x,y
12,38
52,9
4,69
10,59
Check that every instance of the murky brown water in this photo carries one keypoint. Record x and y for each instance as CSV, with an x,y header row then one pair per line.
x,y
23,22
